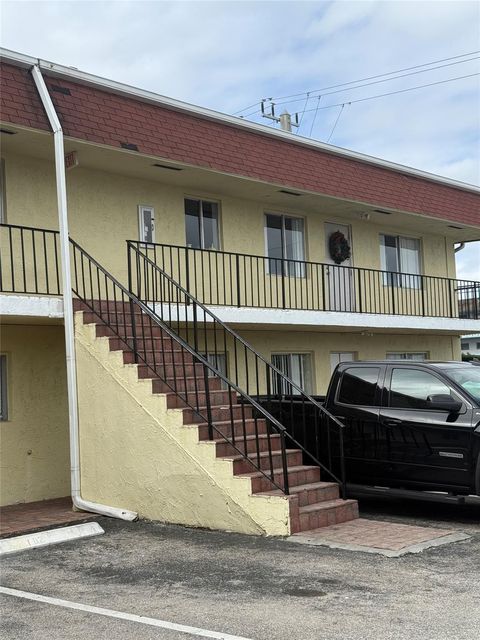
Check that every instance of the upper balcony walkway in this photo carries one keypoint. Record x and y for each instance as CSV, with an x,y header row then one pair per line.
x,y
251,289
247,288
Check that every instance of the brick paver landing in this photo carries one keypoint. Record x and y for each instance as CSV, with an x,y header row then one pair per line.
x,y
375,534
17,519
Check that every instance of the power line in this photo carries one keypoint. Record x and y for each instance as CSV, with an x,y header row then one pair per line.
x,y
315,115
303,112
336,122
367,84
391,93
381,75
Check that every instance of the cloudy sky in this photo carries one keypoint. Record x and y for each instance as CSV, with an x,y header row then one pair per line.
x,y
229,55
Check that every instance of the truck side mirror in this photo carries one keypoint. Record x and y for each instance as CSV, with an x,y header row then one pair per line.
x,y
444,402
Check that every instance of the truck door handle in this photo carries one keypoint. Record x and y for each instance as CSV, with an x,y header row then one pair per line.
x,y
392,422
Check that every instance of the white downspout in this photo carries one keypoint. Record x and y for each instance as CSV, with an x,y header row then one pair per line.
x,y
77,499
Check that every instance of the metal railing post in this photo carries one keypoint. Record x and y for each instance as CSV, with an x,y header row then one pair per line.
x,y
187,273
132,310
237,268
286,487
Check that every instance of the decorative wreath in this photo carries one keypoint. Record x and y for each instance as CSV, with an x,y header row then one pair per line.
x,y
339,247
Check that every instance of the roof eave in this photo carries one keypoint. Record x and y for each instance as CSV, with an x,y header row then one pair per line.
x,y
71,73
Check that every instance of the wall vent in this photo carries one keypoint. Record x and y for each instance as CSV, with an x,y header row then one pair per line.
x,y
8,132
385,213
65,90
129,145
289,193
165,166
454,226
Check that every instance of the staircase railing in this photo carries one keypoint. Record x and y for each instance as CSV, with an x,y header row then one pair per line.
x,y
180,368
219,347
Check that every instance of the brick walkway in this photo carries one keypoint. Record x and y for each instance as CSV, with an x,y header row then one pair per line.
x,y
372,535
17,519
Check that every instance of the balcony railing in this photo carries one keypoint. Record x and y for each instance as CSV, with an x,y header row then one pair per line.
x,y
232,279
29,260
30,264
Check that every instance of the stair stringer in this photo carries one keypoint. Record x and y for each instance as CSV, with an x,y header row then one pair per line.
x,y
137,453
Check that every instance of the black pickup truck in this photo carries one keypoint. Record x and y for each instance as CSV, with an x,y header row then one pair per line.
x,y
414,425
408,425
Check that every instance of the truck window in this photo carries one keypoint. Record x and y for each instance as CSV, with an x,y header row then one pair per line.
x,y
410,388
358,386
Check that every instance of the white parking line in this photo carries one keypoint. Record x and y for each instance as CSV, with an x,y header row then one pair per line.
x,y
111,613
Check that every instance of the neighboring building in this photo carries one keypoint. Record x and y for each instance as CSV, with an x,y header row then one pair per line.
x,y
470,345
312,254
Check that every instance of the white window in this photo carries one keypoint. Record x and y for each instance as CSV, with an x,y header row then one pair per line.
x,y
201,224
408,355
146,223
298,367
285,244
341,356
218,360
3,389
401,255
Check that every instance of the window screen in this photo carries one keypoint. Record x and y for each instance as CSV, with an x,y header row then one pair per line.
x,y
400,254
285,245
296,366
358,386
340,356
201,224
219,361
408,355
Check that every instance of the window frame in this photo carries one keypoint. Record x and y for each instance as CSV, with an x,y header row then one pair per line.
x,y
391,353
308,388
4,404
397,280
302,270
201,200
141,208
354,354
211,356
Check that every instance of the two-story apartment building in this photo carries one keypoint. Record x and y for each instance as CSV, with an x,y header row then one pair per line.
x,y
256,261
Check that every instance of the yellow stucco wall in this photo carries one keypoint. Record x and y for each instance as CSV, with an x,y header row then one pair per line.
x,y
370,346
138,455
34,451
103,214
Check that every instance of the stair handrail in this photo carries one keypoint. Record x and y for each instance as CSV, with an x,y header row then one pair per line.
x,y
232,332
134,248
147,311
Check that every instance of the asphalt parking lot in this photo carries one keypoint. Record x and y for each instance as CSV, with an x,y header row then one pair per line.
x,y
252,587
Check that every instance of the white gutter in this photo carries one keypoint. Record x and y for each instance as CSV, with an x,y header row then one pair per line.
x,y
61,71
77,499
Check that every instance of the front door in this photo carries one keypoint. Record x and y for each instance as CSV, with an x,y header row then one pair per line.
x,y
339,294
